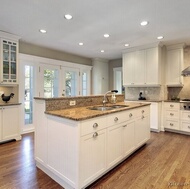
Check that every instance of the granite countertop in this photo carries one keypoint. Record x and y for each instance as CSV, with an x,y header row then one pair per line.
x,y
83,113
9,103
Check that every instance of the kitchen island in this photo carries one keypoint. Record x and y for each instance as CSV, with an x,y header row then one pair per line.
x,y
75,146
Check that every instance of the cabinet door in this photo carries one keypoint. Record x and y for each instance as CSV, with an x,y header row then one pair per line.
x,y
128,137
152,68
114,144
174,67
139,72
128,68
10,126
142,130
93,156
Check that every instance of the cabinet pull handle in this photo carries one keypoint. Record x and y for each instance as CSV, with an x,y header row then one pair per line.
x,y
188,127
171,114
95,135
95,125
142,111
125,125
171,124
116,119
130,115
171,105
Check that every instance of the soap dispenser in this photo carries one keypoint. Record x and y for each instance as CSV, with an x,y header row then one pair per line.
x,y
113,99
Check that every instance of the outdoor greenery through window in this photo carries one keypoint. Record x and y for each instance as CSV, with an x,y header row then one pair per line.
x,y
28,101
71,84
50,83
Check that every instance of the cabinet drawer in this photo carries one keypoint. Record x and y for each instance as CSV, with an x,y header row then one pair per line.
x,y
171,105
185,115
185,126
172,114
93,125
143,111
120,117
172,124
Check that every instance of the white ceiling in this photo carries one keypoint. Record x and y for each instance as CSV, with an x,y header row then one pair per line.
x,y
92,19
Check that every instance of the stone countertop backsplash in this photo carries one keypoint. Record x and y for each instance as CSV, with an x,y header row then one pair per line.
x,y
81,101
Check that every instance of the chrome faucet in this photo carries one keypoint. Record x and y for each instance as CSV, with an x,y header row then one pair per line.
x,y
105,99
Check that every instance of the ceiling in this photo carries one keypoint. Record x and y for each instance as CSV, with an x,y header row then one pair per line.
x,y
92,19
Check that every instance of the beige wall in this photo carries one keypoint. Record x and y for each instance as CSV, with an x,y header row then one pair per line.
x,y
35,50
113,64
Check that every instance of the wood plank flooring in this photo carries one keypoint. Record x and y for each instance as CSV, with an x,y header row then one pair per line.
x,y
163,163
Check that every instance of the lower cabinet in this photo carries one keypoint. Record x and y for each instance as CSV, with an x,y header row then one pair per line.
x,y
76,153
9,123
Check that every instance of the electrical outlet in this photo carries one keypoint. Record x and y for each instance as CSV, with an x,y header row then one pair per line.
x,y
72,103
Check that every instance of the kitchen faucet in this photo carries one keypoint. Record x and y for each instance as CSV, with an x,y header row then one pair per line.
x,y
105,99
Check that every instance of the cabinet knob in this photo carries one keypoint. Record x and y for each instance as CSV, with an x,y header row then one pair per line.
x,y
171,114
171,124
142,111
95,125
125,125
142,117
116,119
130,115
188,116
95,135
171,105
188,127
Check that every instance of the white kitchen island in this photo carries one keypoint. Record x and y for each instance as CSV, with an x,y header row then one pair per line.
x,y
77,146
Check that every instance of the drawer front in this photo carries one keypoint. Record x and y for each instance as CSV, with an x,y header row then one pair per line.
x,y
120,117
171,105
171,124
143,111
185,126
93,125
172,114
185,115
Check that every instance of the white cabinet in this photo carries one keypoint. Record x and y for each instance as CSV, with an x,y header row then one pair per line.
x,y
174,65
9,123
142,67
9,59
171,115
142,126
185,121
155,116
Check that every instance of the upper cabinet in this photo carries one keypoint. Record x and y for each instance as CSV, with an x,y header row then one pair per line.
x,y
142,67
174,65
8,59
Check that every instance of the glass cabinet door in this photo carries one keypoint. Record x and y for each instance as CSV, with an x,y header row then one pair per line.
x,y
9,62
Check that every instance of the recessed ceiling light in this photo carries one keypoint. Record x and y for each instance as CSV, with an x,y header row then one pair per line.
x,y
68,16
102,51
42,31
160,37
144,23
106,35
126,45
81,44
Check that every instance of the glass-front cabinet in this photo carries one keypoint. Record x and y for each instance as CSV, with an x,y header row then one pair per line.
x,y
9,62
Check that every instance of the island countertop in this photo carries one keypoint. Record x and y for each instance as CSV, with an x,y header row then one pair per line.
x,y
83,113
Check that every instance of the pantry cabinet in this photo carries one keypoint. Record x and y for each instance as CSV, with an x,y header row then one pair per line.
x,y
8,59
174,65
9,123
142,67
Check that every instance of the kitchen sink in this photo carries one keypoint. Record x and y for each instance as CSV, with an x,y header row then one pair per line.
x,y
105,108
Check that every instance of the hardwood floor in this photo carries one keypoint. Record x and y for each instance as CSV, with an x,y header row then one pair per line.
x,y
163,163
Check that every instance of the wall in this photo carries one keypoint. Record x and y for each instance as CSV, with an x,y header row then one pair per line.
x,y
31,49
7,91
182,92
113,64
100,77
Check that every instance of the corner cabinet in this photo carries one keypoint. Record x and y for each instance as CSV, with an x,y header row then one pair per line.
x,y
9,59
142,67
174,65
